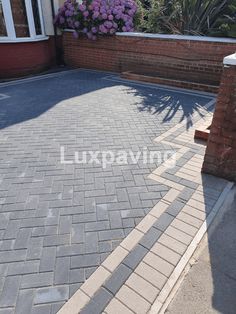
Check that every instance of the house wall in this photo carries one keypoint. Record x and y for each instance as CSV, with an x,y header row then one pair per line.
x,y
26,56
195,59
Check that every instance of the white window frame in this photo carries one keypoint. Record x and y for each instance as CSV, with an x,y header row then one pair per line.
x,y
10,27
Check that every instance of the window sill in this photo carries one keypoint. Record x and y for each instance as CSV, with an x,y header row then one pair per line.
x,y
4,40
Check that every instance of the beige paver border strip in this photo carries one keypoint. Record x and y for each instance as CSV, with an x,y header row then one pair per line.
x,y
84,294
159,303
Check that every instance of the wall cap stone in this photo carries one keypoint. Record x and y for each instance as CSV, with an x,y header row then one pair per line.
x,y
178,37
230,60
172,37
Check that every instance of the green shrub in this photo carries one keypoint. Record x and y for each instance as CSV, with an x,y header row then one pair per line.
x,y
189,17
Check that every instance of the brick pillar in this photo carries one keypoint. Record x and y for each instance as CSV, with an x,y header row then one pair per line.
x,y
220,157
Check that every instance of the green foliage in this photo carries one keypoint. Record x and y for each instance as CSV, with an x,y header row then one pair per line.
x,y
189,17
140,17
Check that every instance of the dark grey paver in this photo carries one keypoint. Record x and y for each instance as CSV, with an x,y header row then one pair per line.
x,y
88,260
186,194
7,311
37,280
12,256
42,309
76,275
24,301
175,208
111,234
22,268
163,222
9,292
91,242
100,300
135,256
47,261
150,238
52,294
61,271
118,278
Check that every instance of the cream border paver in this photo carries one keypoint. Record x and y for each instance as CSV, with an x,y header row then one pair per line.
x,y
169,255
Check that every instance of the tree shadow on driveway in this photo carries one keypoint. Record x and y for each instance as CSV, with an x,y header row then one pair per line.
x,y
171,102
30,99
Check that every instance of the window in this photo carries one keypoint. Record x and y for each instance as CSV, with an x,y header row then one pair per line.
x,y
21,20
36,14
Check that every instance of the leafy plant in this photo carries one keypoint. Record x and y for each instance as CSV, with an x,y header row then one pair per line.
x,y
192,17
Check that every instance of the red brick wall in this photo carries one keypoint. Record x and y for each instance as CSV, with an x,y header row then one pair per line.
x,y
196,61
23,58
220,157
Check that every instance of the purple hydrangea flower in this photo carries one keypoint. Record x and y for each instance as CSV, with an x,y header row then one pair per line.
x,y
97,16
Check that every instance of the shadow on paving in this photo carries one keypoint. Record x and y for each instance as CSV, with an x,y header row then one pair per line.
x,y
25,98
166,102
210,285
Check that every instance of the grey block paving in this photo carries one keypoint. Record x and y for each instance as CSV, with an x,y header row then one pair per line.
x,y
61,271
10,291
58,222
37,280
25,301
23,268
52,294
47,261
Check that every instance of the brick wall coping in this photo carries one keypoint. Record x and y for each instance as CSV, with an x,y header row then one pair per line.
x,y
173,37
22,40
230,60
179,37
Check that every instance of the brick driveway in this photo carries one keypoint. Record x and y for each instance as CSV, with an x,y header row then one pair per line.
x,y
59,222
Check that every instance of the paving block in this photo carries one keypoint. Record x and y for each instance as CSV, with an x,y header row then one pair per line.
x,y
95,281
179,235
51,294
9,292
173,244
153,276
159,264
115,306
132,300
181,225
115,258
142,287
135,256
132,239
166,253
118,278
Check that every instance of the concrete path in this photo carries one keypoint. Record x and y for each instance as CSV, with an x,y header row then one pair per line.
x,y
210,286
